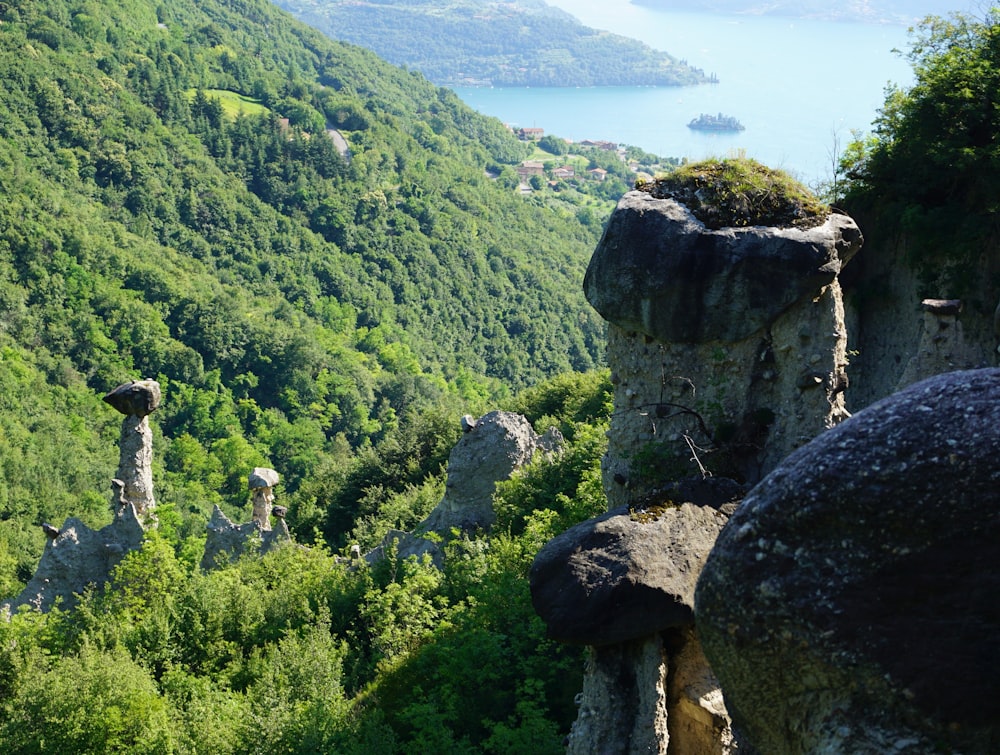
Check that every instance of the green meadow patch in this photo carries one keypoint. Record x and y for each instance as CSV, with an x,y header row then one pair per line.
x,y
233,103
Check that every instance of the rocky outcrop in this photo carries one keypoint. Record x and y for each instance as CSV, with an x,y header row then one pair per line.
x,y
728,348
261,483
623,583
136,400
490,450
850,603
228,541
891,329
76,557
942,346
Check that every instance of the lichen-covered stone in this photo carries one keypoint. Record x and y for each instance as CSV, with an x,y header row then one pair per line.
x,y
850,603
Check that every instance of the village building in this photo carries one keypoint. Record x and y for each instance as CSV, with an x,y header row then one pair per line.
x,y
530,168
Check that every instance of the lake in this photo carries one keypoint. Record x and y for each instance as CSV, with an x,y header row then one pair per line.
x,y
800,87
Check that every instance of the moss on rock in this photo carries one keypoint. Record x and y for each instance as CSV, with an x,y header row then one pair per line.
x,y
739,192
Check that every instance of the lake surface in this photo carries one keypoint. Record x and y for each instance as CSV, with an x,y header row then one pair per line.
x,y
799,87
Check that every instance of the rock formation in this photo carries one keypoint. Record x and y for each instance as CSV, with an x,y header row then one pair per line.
x,y
261,483
228,541
942,346
850,603
137,400
728,347
77,556
623,583
490,450
893,332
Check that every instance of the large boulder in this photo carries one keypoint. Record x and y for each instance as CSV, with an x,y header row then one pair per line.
x,y
630,573
623,584
850,604
660,271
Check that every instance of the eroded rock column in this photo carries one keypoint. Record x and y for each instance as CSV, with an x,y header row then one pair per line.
x,y
728,347
623,584
136,400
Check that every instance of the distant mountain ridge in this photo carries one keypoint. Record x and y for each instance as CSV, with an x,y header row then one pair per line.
x,y
871,11
481,43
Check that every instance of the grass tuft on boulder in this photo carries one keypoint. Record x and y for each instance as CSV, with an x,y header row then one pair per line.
x,y
739,192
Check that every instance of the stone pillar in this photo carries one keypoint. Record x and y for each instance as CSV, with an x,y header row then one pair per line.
x,y
623,707
942,346
136,400
727,348
261,482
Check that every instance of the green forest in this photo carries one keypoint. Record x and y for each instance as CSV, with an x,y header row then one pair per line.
x,y
480,43
176,208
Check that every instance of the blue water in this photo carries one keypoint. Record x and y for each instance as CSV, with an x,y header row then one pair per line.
x,y
800,87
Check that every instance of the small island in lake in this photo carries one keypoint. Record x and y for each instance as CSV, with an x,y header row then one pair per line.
x,y
720,122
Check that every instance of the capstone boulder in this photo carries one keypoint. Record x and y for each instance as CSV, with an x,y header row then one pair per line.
x,y
627,574
659,271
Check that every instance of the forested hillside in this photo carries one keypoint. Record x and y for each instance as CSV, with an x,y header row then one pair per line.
x,y
480,43
174,208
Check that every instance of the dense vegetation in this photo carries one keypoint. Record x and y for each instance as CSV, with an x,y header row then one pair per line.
x,y
931,170
175,209
296,306
475,42
301,651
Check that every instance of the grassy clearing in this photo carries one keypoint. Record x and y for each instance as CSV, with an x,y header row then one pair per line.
x,y
233,103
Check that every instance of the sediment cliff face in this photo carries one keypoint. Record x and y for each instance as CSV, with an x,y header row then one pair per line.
x,y
896,338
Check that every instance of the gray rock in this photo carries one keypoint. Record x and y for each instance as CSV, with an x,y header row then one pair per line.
x,y
76,557
228,541
262,477
490,449
625,575
850,605
137,398
659,271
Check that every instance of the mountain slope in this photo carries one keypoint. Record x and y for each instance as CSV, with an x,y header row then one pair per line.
x,y
295,305
523,43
